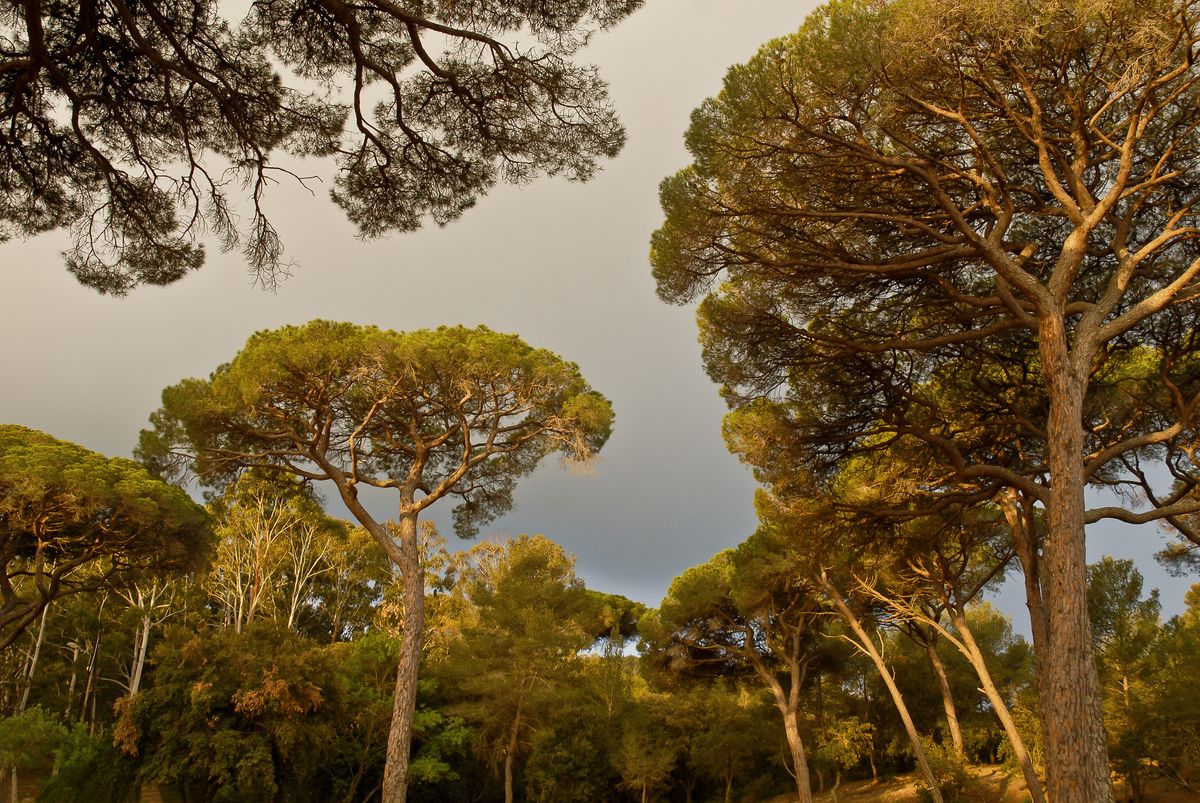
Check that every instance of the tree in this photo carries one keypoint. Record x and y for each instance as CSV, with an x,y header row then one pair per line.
x,y
1006,193
1125,627
235,716
732,736
273,541
1172,729
526,625
744,613
427,414
130,121
647,754
72,520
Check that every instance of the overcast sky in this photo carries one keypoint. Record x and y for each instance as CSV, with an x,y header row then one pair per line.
x,y
563,265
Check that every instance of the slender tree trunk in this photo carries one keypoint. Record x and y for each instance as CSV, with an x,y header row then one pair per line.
x,y
33,661
1072,719
868,646
139,660
395,772
89,686
729,787
511,755
939,671
1019,514
975,656
74,673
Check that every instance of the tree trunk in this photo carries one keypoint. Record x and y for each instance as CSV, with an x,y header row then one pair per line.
x,y
395,772
975,656
1072,719
864,641
1018,511
729,787
511,755
33,661
799,760
74,673
139,658
939,671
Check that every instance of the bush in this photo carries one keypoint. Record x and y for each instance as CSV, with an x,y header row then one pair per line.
x,y
89,768
949,771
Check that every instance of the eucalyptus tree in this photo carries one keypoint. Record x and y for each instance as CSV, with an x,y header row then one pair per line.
x,y
429,414
72,520
273,542
907,185
137,124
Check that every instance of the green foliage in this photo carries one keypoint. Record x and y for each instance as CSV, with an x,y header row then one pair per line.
x,y
247,716
30,741
377,399
949,771
439,739
72,520
647,754
571,758
1169,734
525,625
89,768
135,135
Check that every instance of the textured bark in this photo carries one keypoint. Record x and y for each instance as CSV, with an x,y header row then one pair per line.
x,y
867,646
1072,720
799,760
395,774
788,703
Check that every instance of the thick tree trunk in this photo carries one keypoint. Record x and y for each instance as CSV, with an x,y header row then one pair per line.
x,y
1072,720
864,641
939,671
975,656
395,773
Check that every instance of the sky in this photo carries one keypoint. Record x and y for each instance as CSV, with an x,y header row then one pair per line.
x,y
562,264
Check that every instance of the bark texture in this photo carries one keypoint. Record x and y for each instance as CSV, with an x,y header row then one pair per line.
x,y
395,777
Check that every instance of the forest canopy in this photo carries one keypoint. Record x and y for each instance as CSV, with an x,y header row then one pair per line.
x,y
139,124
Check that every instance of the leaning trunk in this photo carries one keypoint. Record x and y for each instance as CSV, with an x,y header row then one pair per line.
x,y
868,646
1072,718
139,658
975,656
939,671
799,760
33,661
395,773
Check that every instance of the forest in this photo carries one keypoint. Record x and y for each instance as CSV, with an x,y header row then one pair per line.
x,y
944,257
